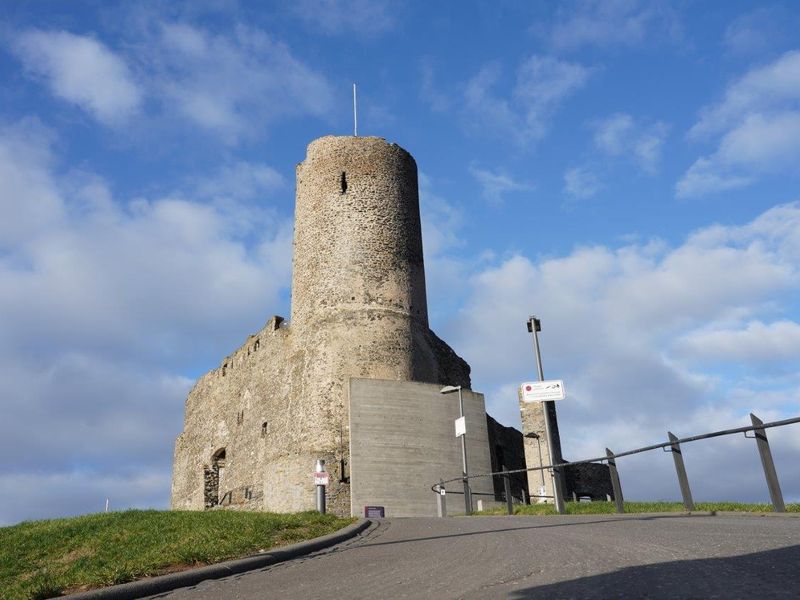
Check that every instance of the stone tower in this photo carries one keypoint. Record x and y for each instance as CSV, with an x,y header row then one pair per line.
x,y
255,425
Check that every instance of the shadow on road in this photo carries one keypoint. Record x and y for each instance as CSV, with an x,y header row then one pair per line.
x,y
768,574
539,525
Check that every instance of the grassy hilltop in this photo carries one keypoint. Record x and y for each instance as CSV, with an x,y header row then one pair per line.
x,y
42,559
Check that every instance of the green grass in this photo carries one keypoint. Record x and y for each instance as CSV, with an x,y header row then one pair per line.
x,y
603,508
42,559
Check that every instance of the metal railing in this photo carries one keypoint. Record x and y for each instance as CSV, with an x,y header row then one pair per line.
x,y
673,446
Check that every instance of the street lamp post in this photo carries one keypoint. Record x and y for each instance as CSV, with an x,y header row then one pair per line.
x,y
550,422
464,471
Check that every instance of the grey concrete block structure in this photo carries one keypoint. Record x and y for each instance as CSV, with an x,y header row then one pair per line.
x,y
254,426
403,440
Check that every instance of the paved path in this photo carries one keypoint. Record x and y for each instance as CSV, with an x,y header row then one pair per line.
x,y
628,556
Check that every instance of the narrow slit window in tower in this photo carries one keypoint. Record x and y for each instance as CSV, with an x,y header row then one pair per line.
x,y
344,182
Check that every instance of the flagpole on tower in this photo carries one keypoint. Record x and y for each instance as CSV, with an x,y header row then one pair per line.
x,y
355,113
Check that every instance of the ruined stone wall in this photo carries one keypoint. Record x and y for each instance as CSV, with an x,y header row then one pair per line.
x,y
593,480
359,310
507,450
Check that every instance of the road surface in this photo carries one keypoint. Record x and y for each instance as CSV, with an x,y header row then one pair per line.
x,y
626,556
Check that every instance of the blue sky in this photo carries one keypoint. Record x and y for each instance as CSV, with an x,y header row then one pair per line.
x,y
625,170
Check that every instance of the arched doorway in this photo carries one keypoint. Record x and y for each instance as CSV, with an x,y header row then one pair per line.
x,y
213,478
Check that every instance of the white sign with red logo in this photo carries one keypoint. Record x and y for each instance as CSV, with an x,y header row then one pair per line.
x,y
320,478
543,391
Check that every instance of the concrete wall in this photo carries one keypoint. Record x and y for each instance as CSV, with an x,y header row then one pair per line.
x,y
402,440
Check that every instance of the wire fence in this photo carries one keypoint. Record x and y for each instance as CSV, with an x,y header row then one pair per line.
x,y
758,427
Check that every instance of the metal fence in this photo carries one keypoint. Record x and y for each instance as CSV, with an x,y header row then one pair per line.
x,y
758,428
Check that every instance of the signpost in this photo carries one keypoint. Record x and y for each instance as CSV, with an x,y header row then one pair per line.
x,y
321,481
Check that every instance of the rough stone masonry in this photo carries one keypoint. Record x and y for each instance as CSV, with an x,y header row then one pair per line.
x,y
255,425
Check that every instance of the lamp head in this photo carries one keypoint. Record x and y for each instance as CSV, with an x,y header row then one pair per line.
x,y
534,323
449,388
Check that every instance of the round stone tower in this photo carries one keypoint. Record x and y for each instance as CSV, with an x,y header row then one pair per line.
x,y
359,307
358,241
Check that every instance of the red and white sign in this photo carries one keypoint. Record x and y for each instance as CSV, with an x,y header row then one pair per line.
x,y
320,478
543,391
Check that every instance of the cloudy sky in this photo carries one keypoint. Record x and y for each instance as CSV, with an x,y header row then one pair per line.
x,y
625,170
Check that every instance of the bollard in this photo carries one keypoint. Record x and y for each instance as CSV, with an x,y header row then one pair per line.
x,y
680,469
321,480
612,468
507,484
770,473
441,500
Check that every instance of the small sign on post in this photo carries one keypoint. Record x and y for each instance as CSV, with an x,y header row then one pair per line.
x,y
321,478
543,391
461,426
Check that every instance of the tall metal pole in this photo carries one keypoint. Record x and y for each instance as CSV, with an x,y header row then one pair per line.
x,y
550,423
465,473
355,112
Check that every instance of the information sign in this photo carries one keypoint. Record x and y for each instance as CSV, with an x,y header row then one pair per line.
x,y
320,478
542,391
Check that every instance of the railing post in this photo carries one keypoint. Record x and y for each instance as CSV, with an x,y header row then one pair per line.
x,y
612,468
507,485
680,469
769,465
441,500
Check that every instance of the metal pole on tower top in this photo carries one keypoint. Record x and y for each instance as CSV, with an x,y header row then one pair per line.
x,y
355,112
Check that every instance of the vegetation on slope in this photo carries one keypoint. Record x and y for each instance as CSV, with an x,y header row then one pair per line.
x,y
42,559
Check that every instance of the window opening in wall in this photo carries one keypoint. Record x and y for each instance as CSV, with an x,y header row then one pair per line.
x,y
344,182
213,478
256,345
240,417
264,428
224,368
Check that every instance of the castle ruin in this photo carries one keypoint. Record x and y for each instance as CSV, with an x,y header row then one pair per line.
x,y
255,425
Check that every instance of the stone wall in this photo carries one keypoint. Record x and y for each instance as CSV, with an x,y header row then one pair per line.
x,y
507,450
588,480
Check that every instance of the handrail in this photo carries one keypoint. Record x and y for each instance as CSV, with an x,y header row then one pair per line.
x,y
436,489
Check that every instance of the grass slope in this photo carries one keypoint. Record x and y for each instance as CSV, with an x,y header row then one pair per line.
x,y
602,508
42,559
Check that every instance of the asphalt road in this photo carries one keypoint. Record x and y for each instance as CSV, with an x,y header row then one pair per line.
x,y
664,556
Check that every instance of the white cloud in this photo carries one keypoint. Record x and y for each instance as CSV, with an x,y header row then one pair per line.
x,y
445,275
762,89
105,305
705,176
624,328
606,23
83,71
580,183
241,180
756,31
622,135
542,84
757,341
758,126
233,85
429,91
494,186
27,190
365,18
